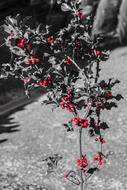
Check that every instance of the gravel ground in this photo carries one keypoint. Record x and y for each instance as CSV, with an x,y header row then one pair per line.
x,y
34,132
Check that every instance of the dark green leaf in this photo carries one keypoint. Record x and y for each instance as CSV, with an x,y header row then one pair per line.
x,y
104,126
118,97
92,170
80,104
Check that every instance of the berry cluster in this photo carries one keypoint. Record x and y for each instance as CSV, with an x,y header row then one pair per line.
x,y
82,163
81,122
101,139
80,15
66,103
67,61
21,42
47,82
100,158
32,60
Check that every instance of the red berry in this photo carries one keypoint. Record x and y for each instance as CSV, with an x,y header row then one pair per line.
x,y
67,61
108,94
33,60
81,15
103,141
20,42
104,161
96,139
50,40
83,171
69,109
11,34
71,105
43,83
62,104
82,162
75,120
98,52
95,158
80,120
28,46
85,123
65,98
69,96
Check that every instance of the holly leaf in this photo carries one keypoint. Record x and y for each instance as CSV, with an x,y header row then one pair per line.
x,y
92,170
110,105
118,97
103,84
90,112
97,130
80,104
65,7
91,133
111,84
68,126
104,126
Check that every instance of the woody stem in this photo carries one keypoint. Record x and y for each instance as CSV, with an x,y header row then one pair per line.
x,y
80,153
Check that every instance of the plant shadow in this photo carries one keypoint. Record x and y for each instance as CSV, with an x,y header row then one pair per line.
x,y
8,125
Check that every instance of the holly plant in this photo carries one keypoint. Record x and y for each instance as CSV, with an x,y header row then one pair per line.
x,y
67,65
